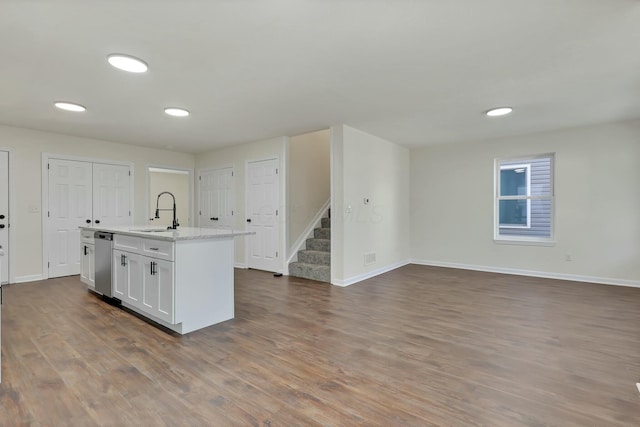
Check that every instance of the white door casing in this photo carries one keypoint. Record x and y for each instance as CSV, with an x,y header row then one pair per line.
x,y
263,199
4,216
70,206
216,196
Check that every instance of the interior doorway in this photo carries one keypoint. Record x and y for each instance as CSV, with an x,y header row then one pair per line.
x,y
178,182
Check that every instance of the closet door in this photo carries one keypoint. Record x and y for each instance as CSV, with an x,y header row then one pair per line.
x,y
111,198
70,206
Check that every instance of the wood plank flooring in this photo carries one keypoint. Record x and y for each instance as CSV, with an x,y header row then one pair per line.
x,y
418,346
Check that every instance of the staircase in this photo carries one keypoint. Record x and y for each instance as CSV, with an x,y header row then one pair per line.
x,y
314,262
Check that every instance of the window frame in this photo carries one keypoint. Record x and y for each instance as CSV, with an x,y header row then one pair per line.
x,y
523,161
526,197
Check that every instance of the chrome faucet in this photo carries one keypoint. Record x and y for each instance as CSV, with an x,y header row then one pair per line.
x,y
174,224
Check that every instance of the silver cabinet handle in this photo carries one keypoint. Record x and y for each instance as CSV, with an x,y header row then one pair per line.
x,y
153,249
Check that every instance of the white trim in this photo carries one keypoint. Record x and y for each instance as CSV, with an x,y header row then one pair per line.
x,y
531,273
522,240
240,265
28,278
307,233
370,274
11,278
44,190
169,169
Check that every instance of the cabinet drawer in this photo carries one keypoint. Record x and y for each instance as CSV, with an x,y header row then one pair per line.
x,y
157,249
127,243
86,236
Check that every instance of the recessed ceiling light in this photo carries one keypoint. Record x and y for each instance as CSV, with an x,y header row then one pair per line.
x,y
69,106
178,112
501,111
127,63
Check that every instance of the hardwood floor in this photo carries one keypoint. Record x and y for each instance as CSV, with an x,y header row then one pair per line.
x,y
417,346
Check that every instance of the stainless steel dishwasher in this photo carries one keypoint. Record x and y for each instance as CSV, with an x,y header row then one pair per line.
x,y
104,246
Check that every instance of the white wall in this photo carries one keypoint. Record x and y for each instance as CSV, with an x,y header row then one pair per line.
x,y
378,170
237,156
309,179
27,147
597,205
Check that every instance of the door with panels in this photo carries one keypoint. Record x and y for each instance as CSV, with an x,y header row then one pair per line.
x,y
70,206
157,288
263,199
4,216
127,274
81,193
217,190
111,196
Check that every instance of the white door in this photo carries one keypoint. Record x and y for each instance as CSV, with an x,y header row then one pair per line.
x,y
70,206
217,189
263,199
4,216
111,195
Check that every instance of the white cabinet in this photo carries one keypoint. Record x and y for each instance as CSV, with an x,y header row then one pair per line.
x,y
87,259
87,265
158,288
143,276
126,277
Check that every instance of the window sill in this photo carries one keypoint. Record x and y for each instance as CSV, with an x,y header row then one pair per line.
x,y
525,242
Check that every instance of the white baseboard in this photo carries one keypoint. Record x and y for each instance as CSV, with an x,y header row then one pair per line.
x,y
531,273
240,265
306,234
29,278
370,274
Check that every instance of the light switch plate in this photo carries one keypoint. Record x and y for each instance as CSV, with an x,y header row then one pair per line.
x,y
34,209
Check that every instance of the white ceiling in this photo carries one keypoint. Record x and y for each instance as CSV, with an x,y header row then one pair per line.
x,y
413,72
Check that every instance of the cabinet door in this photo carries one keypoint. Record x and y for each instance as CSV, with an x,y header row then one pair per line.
x,y
92,265
164,272
127,276
87,268
119,274
157,288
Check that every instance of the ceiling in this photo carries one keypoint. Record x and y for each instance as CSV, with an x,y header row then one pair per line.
x,y
413,72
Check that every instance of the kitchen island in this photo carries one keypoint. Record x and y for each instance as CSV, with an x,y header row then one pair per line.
x,y
181,279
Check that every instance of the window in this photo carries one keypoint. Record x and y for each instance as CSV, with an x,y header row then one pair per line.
x,y
524,199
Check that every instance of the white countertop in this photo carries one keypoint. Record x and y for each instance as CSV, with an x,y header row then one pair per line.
x,y
182,233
